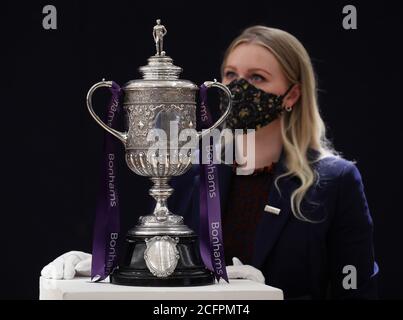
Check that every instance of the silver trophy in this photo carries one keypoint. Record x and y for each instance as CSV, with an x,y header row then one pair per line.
x,y
161,249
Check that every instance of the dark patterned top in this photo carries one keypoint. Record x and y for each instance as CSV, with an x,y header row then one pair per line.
x,y
247,198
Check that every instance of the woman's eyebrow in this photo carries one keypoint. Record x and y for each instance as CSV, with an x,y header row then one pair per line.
x,y
259,69
229,67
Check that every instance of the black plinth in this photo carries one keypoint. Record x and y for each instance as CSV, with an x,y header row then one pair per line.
x,y
190,270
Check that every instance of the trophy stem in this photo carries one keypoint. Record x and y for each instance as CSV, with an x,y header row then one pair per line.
x,y
161,191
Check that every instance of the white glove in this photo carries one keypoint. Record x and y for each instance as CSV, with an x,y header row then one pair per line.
x,y
244,271
68,265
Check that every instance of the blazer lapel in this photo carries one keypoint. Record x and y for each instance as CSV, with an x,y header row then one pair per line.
x,y
271,225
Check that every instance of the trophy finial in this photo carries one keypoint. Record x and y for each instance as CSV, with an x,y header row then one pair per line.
x,y
159,32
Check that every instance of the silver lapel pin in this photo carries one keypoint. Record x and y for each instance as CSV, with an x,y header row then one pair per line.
x,y
271,209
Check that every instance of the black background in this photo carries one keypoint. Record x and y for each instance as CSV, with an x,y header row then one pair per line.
x,y
51,147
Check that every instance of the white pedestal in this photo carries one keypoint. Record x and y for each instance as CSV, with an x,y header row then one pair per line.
x,y
83,289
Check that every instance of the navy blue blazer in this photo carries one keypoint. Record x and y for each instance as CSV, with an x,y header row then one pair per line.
x,y
304,259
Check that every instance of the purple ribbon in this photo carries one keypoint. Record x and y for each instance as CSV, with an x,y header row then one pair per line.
x,y
107,224
211,240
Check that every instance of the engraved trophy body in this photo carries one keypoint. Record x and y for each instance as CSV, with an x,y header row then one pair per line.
x,y
161,249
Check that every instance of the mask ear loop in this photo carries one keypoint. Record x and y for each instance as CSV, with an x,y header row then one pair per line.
x,y
288,109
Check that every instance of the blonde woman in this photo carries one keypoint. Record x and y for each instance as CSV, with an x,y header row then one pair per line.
x,y
300,221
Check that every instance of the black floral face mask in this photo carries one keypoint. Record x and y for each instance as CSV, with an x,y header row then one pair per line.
x,y
252,108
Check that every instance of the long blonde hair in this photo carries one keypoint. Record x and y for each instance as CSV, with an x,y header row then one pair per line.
x,y
303,128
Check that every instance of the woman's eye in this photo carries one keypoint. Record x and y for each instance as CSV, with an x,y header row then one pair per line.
x,y
230,74
257,78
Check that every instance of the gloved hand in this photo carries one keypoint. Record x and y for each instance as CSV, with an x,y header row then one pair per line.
x,y
68,265
244,271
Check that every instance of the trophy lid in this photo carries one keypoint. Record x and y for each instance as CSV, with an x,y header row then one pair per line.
x,y
160,70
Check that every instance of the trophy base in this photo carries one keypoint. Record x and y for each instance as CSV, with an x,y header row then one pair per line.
x,y
200,277
186,268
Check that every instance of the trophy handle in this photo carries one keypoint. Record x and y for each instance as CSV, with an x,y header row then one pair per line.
x,y
122,136
219,85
